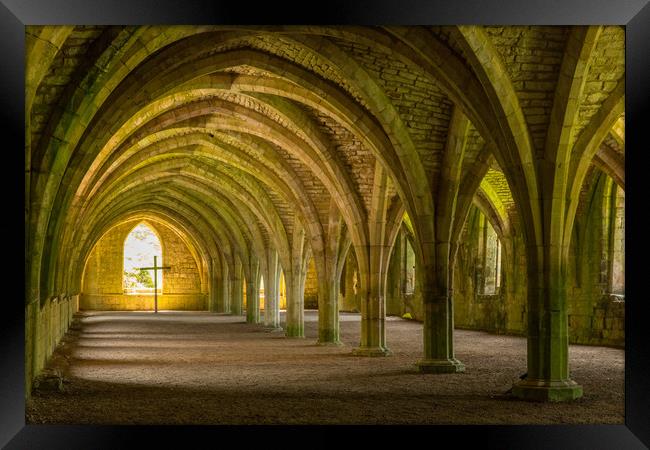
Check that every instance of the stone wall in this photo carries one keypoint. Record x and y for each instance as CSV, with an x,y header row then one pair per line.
x,y
311,286
44,328
503,311
122,302
596,316
102,287
349,300
403,296
596,311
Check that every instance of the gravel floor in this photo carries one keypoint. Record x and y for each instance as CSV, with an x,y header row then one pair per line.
x,y
202,368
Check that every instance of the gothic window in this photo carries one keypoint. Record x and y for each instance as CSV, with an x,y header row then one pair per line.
x,y
140,247
261,293
489,258
409,287
283,291
244,295
617,239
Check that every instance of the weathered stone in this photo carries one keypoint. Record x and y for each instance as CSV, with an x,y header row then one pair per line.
x,y
244,144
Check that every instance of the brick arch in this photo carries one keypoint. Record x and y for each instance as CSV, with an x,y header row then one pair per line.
x,y
487,199
108,277
274,173
41,45
217,224
518,152
196,213
196,152
78,110
245,189
78,238
245,129
472,84
612,163
195,230
588,144
150,220
239,222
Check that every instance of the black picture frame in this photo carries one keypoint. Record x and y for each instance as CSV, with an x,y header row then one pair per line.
x,y
15,14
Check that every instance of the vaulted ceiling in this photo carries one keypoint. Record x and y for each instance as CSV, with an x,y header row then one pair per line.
x,y
242,136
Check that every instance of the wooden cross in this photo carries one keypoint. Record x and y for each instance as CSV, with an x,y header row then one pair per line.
x,y
155,280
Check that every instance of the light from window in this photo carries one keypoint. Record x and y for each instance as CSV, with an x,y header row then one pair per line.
x,y
409,287
140,246
491,259
261,293
618,244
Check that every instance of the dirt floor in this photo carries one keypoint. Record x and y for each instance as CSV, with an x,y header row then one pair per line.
x,y
202,368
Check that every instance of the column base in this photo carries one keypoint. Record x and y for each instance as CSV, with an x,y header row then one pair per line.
x,y
294,332
328,336
330,343
547,391
272,329
371,351
440,366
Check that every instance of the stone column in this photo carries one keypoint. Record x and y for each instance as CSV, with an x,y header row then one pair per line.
x,y
328,309
213,286
548,338
549,238
31,343
226,290
294,278
328,280
295,282
271,292
236,294
373,284
438,327
253,297
373,309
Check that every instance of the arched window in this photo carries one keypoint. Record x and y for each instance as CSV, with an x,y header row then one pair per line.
x,y
244,294
409,287
140,247
261,292
283,291
490,257
617,242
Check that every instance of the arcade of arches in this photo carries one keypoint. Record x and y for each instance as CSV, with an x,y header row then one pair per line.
x,y
462,177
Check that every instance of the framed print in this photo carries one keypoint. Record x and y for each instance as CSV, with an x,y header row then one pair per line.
x,y
247,220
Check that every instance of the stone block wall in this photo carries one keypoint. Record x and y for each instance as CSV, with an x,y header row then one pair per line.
x,y
596,313
349,300
182,287
44,327
311,286
596,317
603,323
501,312
121,302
